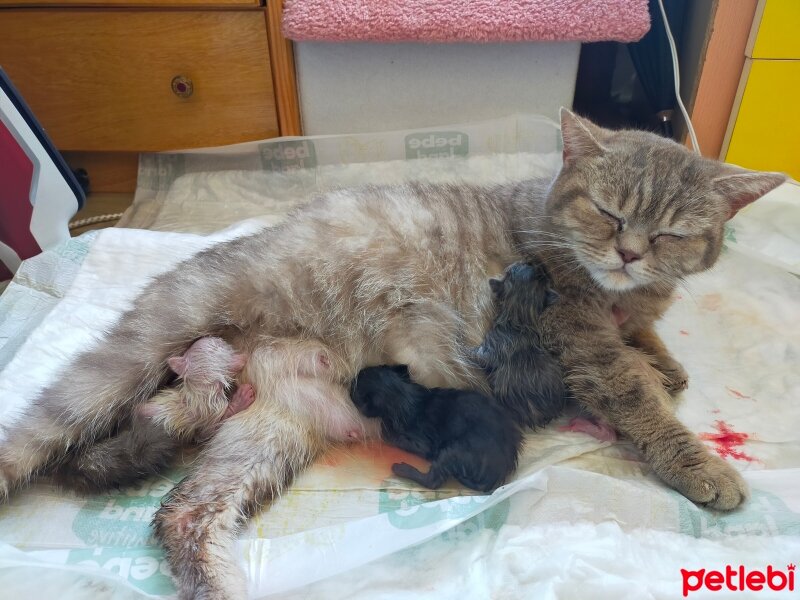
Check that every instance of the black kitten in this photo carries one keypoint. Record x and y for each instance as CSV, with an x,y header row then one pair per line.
x,y
464,434
524,377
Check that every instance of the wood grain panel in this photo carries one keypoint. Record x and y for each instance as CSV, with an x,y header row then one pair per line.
x,y
108,171
101,79
720,73
283,73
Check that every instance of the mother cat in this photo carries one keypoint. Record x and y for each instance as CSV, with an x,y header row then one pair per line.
x,y
399,275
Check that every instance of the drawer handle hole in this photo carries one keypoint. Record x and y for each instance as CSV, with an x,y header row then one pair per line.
x,y
182,86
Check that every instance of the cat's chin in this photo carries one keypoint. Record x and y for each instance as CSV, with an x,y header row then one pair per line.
x,y
616,280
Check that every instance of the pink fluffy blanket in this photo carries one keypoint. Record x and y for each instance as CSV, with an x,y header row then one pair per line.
x,y
465,20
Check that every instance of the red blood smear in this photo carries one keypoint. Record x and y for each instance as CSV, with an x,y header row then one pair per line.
x,y
726,441
737,394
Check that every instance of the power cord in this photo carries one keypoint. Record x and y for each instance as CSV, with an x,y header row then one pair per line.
x,y
676,73
94,220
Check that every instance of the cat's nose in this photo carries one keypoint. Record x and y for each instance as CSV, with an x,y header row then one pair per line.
x,y
628,256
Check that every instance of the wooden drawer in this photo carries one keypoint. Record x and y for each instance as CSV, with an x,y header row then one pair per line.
x,y
101,79
776,30
766,131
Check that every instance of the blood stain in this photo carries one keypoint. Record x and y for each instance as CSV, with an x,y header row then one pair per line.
x,y
737,394
375,454
711,302
726,442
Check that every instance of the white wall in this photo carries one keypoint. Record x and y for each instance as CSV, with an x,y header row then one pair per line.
x,y
361,87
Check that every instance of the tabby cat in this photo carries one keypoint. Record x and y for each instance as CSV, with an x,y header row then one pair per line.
x,y
397,275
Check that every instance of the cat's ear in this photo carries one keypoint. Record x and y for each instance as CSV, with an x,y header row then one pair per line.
x,y
497,287
178,365
551,297
740,187
581,137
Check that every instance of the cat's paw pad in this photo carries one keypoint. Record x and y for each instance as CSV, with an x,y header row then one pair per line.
x,y
715,484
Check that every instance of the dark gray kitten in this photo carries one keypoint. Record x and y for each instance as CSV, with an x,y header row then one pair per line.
x,y
525,378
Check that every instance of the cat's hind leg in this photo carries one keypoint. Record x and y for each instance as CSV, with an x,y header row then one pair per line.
x,y
432,480
247,463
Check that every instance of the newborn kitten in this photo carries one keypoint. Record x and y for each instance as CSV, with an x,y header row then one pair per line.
x,y
524,377
193,409
464,434
199,403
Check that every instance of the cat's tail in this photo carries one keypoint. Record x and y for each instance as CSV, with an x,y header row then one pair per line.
x,y
433,479
102,386
121,460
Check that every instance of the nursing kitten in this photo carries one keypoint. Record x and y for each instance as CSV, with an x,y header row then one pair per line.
x,y
199,402
307,373
464,434
397,275
523,376
188,411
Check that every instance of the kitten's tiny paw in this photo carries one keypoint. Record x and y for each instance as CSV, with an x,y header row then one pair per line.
x,y
243,397
715,484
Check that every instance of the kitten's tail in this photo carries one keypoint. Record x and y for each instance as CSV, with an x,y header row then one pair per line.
x,y
433,479
103,385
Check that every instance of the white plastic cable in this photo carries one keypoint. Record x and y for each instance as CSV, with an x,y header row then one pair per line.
x,y
676,73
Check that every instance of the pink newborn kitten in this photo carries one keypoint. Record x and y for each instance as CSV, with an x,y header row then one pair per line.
x,y
199,403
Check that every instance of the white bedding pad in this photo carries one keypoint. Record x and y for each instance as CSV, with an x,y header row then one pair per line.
x,y
582,519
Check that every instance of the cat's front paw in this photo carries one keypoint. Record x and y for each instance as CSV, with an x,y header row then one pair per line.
x,y
715,484
676,377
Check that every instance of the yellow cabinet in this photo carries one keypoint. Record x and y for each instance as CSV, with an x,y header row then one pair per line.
x,y
764,129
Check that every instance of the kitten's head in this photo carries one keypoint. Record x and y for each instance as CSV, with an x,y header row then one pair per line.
x,y
208,361
380,392
524,287
634,208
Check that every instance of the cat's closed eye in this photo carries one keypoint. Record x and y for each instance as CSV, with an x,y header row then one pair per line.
x,y
619,222
665,237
